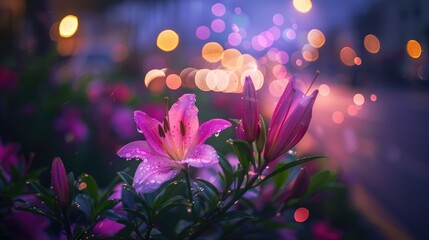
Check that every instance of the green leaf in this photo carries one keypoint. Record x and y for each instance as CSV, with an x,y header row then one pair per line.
x,y
128,197
165,194
39,211
319,181
209,186
288,166
244,154
83,203
170,203
103,206
126,177
137,214
117,217
226,169
231,215
108,190
40,189
91,185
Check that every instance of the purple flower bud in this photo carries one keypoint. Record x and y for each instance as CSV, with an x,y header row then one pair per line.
x,y
290,121
59,182
298,187
250,113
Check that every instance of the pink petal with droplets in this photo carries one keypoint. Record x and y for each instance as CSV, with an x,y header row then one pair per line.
x,y
201,156
152,173
184,110
137,149
149,127
209,128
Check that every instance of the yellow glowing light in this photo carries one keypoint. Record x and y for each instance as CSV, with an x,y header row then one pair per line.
x,y
414,49
371,43
68,26
309,53
302,6
338,117
347,56
200,79
173,81
232,82
167,40
153,74
316,38
324,90
358,99
212,52
232,59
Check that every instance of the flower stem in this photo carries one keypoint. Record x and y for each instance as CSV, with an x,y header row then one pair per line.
x,y
190,196
67,226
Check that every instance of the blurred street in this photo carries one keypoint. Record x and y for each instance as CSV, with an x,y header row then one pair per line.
x,y
382,148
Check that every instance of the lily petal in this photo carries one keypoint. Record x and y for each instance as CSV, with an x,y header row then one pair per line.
x,y
185,113
136,149
201,156
298,121
151,173
149,127
209,128
280,112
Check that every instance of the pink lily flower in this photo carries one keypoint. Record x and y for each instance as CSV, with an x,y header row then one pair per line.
x,y
59,182
289,122
171,145
248,128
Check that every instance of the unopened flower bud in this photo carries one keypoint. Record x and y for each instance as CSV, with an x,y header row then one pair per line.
x,y
59,182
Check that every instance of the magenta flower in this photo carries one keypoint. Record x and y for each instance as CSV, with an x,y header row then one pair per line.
x,y
289,122
171,145
248,127
59,182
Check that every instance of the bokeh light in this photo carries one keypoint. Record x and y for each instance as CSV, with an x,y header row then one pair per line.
x,y
234,39
167,40
152,75
309,53
338,117
202,32
324,90
68,26
358,99
256,75
357,61
301,214
218,9
212,52
371,43
277,87
373,97
347,56
173,81
200,79
278,19
232,59
414,49
302,6
352,110
316,38
218,25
